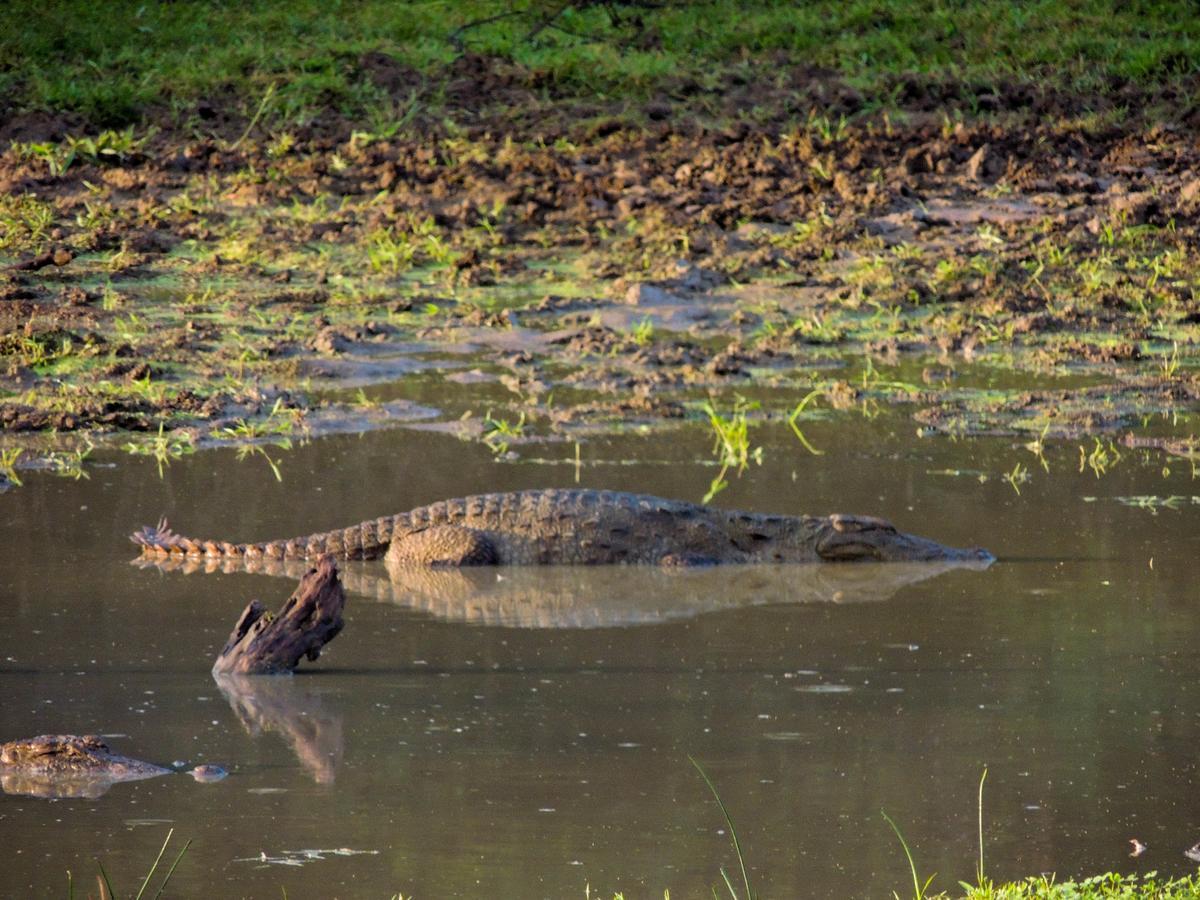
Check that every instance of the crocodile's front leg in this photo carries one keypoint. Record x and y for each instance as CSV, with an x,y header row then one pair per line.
x,y
444,546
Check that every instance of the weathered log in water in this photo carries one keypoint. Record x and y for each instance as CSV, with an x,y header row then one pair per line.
x,y
262,644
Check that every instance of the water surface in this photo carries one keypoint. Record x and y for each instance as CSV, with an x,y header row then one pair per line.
x,y
530,737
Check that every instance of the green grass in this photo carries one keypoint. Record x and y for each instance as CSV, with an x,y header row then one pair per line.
x,y
1109,886
498,433
288,60
731,442
737,844
162,447
1046,887
105,885
8,464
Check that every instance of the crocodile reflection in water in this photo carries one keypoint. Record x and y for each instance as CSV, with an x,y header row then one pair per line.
x,y
284,706
597,596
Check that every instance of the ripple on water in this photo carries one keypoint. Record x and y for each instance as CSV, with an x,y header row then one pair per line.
x,y
824,688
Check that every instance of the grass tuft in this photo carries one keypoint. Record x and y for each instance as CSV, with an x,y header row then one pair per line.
x,y
737,846
107,892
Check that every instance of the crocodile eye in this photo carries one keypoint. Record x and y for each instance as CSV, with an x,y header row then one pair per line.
x,y
854,524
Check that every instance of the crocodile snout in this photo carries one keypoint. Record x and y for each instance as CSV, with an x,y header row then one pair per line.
x,y
870,538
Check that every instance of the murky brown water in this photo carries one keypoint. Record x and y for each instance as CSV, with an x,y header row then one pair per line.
x,y
475,743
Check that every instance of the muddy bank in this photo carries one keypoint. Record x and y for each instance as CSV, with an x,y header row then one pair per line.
x,y
262,289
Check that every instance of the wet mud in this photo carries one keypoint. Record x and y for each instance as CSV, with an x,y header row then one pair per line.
x,y
563,280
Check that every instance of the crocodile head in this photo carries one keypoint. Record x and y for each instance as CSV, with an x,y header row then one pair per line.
x,y
867,538
67,765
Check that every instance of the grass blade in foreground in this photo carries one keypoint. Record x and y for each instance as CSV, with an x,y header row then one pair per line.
x,y
918,889
737,847
105,885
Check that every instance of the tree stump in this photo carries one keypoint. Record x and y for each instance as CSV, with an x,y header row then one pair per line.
x,y
262,644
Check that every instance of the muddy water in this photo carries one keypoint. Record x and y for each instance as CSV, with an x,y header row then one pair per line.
x,y
531,737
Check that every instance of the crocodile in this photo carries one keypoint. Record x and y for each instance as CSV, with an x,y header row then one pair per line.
x,y
67,765
581,527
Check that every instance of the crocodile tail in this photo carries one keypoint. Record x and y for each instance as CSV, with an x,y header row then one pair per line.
x,y
367,540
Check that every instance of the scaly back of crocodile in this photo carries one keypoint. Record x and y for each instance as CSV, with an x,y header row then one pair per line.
x,y
530,527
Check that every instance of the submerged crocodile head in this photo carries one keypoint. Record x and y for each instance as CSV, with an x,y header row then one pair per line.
x,y
68,765
853,538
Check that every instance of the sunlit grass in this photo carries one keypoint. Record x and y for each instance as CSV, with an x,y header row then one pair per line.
x,y
287,60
